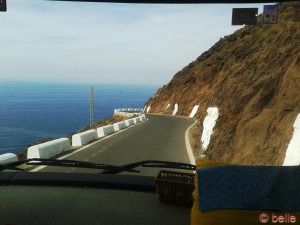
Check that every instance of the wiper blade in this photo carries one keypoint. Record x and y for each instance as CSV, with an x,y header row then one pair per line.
x,y
108,169
154,163
11,166
63,163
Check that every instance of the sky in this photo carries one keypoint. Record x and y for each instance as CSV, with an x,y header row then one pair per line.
x,y
106,43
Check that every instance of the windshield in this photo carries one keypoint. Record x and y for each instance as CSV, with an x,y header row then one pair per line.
x,y
119,83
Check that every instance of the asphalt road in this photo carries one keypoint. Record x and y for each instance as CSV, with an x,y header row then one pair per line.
x,y
159,138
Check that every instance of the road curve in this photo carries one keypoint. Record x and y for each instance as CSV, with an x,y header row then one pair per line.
x,y
160,138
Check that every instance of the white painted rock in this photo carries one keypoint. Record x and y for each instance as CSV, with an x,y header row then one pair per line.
x,y
208,126
194,111
292,155
175,109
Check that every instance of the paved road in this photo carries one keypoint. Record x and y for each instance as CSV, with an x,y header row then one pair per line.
x,y
159,138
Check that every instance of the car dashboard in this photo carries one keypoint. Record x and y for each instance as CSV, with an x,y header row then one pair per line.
x,y
60,198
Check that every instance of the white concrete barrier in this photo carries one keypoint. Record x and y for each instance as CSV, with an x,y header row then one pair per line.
x,y
8,158
119,125
137,120
84,138
143,118
129,122
292,155
105,130
208,126
175,109
48,149
194,111
123,114
127,112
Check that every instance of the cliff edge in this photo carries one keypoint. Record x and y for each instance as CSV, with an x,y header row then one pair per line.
x,y
253,78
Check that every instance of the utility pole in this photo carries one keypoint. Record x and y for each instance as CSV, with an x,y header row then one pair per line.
x,y
91,106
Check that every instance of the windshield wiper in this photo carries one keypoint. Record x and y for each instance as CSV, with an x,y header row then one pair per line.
x,y
154,164
63,163
108,169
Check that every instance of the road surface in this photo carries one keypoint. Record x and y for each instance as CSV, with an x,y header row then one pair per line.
x,y
159,138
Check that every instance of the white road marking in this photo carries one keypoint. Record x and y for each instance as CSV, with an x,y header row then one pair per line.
x,y
87,146
188,145
38,168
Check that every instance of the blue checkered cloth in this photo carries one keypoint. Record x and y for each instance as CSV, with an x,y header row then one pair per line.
x,y
249,188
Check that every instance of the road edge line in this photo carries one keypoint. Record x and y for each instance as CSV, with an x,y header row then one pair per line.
x,y
188,145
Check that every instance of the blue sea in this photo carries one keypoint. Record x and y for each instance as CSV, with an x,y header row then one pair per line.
x,y
32,111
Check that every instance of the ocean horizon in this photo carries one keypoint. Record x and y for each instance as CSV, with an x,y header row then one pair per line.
x,y
33,111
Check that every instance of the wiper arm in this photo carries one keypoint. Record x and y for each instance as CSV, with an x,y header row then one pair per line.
x,y
12,166
109,169
63,163
154,163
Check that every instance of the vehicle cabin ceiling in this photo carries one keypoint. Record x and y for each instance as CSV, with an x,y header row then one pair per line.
x,y
180,1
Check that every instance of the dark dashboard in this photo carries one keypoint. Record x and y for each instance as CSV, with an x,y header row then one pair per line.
x,y
60,198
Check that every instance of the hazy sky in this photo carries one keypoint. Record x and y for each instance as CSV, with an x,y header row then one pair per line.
x,y
106,43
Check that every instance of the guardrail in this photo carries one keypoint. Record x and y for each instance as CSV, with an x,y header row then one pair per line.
x,y
49,149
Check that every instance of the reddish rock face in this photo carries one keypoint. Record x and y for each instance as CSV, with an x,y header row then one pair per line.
x,y
253,77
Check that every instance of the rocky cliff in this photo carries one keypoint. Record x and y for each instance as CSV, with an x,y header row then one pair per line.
x,y
253,77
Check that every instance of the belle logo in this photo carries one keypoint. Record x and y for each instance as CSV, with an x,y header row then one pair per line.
x,y
285,218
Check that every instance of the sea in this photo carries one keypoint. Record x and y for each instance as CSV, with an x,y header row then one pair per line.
x,y
33,111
